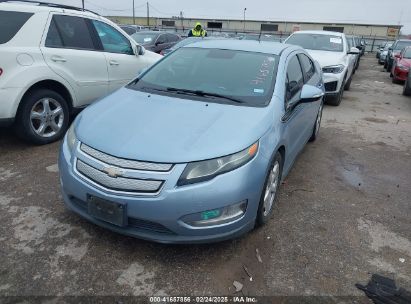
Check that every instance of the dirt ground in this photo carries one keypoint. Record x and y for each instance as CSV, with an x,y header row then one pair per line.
x,y
343,214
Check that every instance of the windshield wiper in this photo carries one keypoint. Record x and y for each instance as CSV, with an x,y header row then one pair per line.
x,y
204,94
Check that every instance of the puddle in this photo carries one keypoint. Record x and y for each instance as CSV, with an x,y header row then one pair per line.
x,y
352,175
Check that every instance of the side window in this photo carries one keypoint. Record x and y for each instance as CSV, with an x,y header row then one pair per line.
x,y
162,39
69,32
53,37
294,78
112,40
308,67
11,23
172,38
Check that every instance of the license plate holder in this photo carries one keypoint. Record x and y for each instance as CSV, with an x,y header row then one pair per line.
x,y
112,212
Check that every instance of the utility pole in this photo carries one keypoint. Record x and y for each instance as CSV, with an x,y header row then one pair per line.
x,y
182,19
82,4
148,14
245,9
134,14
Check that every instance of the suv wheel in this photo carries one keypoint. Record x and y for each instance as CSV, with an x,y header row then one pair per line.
x,y
270,190
43,117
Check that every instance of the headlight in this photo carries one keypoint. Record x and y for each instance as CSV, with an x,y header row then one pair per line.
x,y
208,169
403,67
333,69
71,138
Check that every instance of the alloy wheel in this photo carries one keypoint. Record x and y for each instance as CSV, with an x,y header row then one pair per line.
x,y
271,188
46,117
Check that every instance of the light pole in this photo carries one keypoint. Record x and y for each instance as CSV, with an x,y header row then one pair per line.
x,y
134,14
245,9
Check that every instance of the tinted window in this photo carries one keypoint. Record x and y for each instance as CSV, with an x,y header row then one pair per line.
x,y
129,30
307,65
294,78
162,39
317,42
112,40
69,32
53,37
247,76
11,23
172,38
407,53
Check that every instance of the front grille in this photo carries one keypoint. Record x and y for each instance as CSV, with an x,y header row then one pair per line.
x,y
118,183
331,86
125,163
147,225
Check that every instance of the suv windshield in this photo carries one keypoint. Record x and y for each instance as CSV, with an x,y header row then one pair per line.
x,y
401,44
318,42
144,38
11,23
213,75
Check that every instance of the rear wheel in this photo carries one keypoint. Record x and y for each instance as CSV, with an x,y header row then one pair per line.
x,y
43,117
407,88
270,190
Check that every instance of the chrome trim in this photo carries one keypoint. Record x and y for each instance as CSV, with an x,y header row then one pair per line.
x,y
145,187
125,163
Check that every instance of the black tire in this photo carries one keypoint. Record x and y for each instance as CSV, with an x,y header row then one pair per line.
x,y
407,88
317,124
348,84
385,65
394,80
24,125
262,215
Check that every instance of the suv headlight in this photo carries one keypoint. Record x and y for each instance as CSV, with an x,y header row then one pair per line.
x,y
71,138
208,169
333,69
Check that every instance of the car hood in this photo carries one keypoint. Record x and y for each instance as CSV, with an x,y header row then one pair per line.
x,y
147,127
326,58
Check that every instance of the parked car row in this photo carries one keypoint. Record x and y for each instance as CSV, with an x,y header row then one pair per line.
x,y
396,57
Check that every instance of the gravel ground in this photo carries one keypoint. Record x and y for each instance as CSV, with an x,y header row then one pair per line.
x,y
343,214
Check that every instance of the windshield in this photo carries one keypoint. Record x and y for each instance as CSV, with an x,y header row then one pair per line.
x,y
317,42
144,38
387,46
247,77
401,44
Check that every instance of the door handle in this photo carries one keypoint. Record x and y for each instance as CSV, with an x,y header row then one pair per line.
x,y
113,62
58,59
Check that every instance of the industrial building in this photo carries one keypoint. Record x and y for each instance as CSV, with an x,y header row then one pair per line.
x,y
379,31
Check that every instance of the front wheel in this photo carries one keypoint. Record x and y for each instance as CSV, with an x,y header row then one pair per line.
x,y
270,190
317,124
43,117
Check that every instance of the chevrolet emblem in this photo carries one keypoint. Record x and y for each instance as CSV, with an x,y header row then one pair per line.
x,y
113,172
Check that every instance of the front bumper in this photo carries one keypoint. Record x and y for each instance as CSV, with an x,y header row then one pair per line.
x,y
333,83
158,218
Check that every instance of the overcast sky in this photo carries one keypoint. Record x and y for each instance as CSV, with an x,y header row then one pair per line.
x,y
351,11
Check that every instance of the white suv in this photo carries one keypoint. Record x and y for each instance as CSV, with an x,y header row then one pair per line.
x,y
55,60
336,58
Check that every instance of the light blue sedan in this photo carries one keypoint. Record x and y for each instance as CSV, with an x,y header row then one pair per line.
x,y
195,148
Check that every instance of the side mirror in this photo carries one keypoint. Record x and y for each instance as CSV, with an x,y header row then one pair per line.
x,y
139,50
354,51
311,93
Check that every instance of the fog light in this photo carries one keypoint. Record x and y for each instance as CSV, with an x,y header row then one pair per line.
x,y
216,216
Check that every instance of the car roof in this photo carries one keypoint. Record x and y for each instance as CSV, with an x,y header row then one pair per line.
x,y
267,47
35,8
320,33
